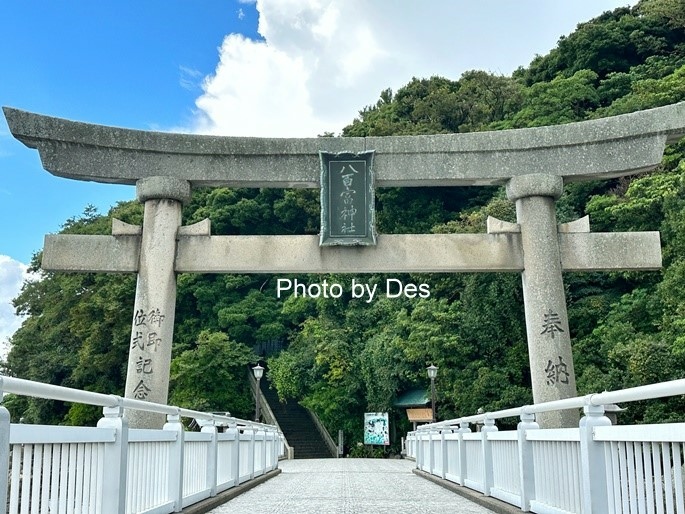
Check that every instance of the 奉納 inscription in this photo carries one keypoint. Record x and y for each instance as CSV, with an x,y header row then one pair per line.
x,y
557,372
551,324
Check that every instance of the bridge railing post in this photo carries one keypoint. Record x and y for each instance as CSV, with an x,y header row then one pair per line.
x,y
592,461
486,445
526,461
235,453
444,453
463,429
431,452
252,432
212,456
266,450
418,452
275,445
4,454
260,461
116,457
273,455
281,450
176,464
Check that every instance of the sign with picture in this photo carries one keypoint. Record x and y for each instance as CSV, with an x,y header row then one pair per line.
x,y
376,428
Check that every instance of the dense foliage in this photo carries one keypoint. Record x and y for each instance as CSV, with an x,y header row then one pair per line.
x,y
345,356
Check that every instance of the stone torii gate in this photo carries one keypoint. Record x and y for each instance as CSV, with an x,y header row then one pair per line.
x,y
532,163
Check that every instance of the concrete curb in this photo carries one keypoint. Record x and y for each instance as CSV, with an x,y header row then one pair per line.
x,y
221,498
488,502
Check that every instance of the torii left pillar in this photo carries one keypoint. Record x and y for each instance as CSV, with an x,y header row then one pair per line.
x,y
152,330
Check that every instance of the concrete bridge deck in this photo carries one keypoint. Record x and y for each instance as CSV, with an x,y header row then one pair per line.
x,y
324,486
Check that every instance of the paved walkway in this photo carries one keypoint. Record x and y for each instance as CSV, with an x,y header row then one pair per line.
x,y
325,486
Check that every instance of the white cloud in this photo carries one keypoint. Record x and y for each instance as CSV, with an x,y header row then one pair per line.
x,y
251,76
321,61
12,275
189,78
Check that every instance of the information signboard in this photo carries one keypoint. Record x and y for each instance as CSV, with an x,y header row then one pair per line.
x,y
376,428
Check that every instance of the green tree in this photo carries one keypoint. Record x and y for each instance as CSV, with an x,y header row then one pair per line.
x,y
648,93
213,376
562,100
612,42
670,11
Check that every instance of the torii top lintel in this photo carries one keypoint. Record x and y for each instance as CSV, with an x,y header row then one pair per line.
x,y
603,148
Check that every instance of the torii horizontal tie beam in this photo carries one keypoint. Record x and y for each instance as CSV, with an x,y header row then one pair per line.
x,y
399,253
604,148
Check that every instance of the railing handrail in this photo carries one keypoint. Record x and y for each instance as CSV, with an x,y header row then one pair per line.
x,y
268,414
632,394
325,435
53,392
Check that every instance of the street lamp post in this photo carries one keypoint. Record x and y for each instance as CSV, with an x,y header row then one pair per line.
x,y
258,373
432,373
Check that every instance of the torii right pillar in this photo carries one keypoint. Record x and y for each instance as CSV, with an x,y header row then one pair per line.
x,y
549,342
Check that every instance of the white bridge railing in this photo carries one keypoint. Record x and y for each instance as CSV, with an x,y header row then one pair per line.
x,y
595,468
114,469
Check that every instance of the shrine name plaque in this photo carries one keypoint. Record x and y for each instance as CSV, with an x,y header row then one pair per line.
x,y
347,199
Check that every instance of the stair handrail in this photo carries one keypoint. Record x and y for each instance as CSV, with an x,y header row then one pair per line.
x,y
269,416
333,448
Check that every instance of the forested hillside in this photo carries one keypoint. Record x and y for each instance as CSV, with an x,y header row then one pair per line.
x,y
343,357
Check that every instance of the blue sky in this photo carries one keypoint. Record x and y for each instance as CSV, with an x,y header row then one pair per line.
x,y
271,68
135,64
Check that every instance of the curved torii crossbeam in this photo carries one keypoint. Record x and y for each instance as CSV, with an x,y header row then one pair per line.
x,y
589,150
533,163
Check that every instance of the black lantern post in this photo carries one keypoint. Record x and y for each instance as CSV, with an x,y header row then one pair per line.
x,y
432,373
258,373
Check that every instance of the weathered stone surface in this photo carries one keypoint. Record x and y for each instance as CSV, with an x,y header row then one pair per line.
x,y
497,226
608,147
610,251
171,188
152,331
416,253
535,184
549,342
120,228
579,225
421,253
201,228
86,253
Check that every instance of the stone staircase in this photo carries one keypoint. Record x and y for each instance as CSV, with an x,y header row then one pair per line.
x,y
297,426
